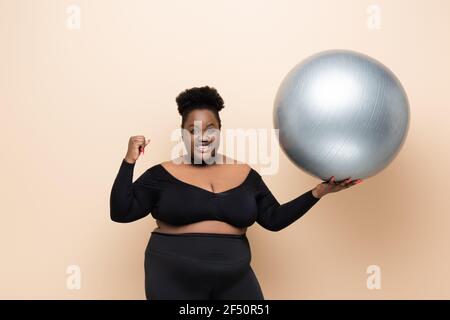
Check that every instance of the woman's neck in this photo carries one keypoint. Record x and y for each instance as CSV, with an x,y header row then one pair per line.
x,y
200,164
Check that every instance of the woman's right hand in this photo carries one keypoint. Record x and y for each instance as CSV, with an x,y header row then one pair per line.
x,y
136,144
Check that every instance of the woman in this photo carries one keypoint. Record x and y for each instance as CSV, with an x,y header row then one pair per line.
x,y
203,204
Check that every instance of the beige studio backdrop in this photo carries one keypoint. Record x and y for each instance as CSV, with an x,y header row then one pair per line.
x,y
78,78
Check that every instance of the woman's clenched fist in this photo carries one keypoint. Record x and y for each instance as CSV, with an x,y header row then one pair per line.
x,y
136,145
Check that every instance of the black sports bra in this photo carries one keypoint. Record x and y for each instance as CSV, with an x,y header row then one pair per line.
x,y
177,202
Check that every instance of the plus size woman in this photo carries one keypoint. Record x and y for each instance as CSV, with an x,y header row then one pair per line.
x,y
203,203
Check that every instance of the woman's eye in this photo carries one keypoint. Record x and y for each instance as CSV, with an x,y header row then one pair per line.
x,y
198,130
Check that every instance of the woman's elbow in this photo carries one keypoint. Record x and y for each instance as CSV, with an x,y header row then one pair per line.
x,y
270,226
274,228
118,217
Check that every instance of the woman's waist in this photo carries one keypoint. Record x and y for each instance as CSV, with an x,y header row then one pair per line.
x,y
203,226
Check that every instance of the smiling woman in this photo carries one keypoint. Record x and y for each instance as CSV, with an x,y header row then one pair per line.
x,y
199,109
203,206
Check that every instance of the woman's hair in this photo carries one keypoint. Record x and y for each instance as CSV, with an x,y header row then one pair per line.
x,y
199,98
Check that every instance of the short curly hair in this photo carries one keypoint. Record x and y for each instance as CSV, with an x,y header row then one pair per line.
x,y
199,98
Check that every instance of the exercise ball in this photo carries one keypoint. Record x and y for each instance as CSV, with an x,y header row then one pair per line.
x,y
341,113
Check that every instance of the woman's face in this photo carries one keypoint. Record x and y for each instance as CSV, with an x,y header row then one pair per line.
x,y
201,135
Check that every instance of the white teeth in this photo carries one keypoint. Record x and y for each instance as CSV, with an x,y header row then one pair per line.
x,y
203,148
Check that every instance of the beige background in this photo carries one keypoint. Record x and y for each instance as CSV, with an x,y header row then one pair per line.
x,y
70,99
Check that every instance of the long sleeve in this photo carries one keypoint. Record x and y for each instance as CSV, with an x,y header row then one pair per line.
x,y
274,216
130,201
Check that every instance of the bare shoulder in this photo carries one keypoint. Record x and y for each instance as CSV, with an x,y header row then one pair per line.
x,y
166,163
236,166
172,162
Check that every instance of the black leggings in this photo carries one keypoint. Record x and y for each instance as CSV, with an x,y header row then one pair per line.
x,y
199,266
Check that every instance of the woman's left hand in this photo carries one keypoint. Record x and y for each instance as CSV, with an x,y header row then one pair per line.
x,y
333,186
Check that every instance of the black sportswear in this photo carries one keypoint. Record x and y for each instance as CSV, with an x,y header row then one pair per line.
x,y
200,266
177,202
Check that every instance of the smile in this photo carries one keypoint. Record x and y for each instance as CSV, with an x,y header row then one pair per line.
x,y
203,148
